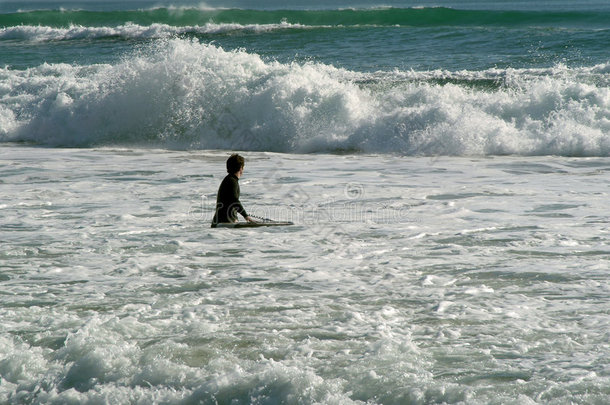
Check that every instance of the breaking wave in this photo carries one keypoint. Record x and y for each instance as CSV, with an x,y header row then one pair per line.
x,y
39,33
181,93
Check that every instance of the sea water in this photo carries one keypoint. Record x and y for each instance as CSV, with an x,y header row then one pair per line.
x,y
446,166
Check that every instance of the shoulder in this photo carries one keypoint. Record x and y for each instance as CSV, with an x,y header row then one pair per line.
x,y
230,182
229,178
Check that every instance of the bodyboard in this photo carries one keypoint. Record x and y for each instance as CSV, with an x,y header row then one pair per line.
x,y
254,224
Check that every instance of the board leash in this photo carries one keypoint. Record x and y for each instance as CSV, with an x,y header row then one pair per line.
x,y
270,221
262,219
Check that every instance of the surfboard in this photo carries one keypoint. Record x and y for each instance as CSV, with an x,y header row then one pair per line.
x,y
254,224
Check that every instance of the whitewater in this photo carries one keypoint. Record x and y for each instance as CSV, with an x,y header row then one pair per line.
x,y
420,280
185,94
446,169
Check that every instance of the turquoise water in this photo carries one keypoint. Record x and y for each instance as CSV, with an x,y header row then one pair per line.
x,y
362,37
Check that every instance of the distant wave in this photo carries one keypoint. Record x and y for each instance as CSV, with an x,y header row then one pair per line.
x,y
184,94
387,16
132,31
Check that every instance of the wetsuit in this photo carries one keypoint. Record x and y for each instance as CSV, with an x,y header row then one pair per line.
x,y
227,201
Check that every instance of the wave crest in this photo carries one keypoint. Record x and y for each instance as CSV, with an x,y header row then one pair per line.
x,y
185,94
132,31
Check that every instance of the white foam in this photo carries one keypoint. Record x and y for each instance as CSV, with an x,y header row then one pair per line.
x,y
186,94
133,31
158,308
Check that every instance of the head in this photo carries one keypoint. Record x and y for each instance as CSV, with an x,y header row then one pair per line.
x,y
235,164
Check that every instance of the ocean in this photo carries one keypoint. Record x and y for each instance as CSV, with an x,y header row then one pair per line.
x,y
446,165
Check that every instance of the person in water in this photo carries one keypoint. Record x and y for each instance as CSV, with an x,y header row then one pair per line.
x,y
227,200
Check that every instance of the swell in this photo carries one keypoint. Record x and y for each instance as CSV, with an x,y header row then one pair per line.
x,y
37,34
185,94
417,17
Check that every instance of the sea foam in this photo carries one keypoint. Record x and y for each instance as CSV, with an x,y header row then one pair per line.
x,y
184,94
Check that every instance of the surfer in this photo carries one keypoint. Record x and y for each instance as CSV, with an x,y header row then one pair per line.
x,y
227,200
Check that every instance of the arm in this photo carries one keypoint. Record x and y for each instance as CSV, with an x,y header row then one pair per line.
x,y
237,204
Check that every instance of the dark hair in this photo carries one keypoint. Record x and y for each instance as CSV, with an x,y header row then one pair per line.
x,y
235,163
